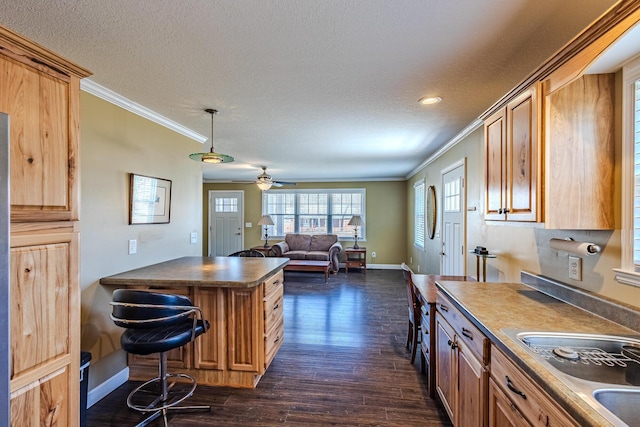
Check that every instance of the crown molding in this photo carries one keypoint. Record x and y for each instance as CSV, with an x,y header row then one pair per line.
x,y
119,100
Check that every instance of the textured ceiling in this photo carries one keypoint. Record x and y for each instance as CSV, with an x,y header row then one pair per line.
x,y
313,89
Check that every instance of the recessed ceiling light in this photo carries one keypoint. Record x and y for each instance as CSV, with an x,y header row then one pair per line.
x,y
430,100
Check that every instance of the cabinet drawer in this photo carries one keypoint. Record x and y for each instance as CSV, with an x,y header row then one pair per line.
x,y
272,282
273,341
273,308
464,329
425,323
537,407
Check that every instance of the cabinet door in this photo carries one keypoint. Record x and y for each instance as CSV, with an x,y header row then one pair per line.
x,y
495,165
44,141
522,157
502,412
445,373
209,348
45,364
472,388
245,336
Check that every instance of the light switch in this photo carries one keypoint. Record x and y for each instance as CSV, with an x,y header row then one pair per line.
x,y
133,246
248,225
194,238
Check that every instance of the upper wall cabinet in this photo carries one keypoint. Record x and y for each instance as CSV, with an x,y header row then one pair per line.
x,y
512,160
579,154
40,92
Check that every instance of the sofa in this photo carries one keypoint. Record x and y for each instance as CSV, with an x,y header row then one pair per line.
x,y
318,247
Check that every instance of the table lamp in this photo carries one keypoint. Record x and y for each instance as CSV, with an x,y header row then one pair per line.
x,y
266,221
356,221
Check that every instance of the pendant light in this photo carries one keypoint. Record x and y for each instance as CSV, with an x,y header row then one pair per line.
x,y
211,156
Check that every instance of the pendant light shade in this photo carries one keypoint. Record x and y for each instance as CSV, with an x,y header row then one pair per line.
x,y
211,156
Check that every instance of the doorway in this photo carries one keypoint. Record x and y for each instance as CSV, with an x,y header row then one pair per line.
x,y
226,216
453,220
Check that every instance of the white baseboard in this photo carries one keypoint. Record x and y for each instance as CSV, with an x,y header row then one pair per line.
x,y
379,266
95,395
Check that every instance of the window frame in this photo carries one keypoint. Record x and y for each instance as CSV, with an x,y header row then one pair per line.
x,y
628,273
419,219
350,236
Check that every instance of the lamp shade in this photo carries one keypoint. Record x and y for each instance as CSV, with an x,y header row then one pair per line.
x,y
265,220
356,220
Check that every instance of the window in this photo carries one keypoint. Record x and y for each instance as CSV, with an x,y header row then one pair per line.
x,y
226,204
418,197
629,273
314,211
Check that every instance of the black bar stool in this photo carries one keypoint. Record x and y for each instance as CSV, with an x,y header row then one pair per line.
x,y
156,323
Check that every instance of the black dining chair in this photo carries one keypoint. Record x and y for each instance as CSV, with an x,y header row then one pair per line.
x,y
248,253
156,323
413,334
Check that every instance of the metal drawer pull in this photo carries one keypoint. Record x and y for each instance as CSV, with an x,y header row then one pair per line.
x,y
276,340
444,307
277,281
467,333
275,307
452,344
513,389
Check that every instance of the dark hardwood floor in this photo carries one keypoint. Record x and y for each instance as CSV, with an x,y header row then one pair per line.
x,y
343,363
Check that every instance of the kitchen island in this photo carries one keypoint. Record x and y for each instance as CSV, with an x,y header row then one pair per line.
x,y
242,298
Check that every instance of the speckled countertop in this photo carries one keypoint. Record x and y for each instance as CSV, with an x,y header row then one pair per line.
x,y
230,272
493,307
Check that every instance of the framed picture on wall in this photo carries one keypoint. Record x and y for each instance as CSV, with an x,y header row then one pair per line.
x,y
149,200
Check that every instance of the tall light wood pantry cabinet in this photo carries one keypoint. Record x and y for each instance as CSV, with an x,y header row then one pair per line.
x,y
41,93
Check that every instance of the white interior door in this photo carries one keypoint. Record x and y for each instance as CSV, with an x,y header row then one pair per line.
x,y
453,220
226,216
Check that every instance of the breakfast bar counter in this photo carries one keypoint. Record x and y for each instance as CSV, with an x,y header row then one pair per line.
x,y
241,297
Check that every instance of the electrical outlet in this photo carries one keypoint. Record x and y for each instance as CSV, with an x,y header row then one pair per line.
x,y
410,260
373,254
575,268
133,246
194,238
418,268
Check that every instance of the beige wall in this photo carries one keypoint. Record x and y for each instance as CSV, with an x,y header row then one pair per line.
x,y
518,247
386,213
114,143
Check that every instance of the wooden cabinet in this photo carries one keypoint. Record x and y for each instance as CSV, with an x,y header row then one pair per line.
x,y
579,154
428,343
577,122
461,373
502,411
523,397
41,93
273,317
512,160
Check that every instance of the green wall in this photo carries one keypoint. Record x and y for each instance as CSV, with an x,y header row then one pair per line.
x,y
385,218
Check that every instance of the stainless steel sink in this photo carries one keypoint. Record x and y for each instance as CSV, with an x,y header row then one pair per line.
x,y
624,404
598,358
604,370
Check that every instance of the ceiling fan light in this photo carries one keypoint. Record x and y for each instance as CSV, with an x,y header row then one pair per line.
x,y
264,186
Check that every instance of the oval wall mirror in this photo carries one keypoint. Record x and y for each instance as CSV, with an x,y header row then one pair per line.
x,y
431,211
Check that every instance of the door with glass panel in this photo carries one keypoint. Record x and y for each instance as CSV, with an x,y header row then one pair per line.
x,y
453,218
226,233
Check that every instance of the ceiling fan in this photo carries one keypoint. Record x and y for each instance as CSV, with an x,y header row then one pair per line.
x,y
265,181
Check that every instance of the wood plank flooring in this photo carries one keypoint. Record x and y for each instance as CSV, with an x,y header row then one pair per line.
x,y
343,363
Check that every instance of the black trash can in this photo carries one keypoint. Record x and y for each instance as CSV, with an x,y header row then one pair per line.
x,y
85,360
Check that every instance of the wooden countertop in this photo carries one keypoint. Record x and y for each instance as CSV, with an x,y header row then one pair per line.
x,y
229,272
426,284
493,307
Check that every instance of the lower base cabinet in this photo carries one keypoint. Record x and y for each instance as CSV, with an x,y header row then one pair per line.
x,y
518,401
461,373
502,411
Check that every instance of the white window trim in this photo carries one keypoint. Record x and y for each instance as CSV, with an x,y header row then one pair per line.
x,y
415,225
362,230
626,273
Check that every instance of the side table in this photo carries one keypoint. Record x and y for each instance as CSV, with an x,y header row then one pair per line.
x,y
484,257
356,258
266,250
